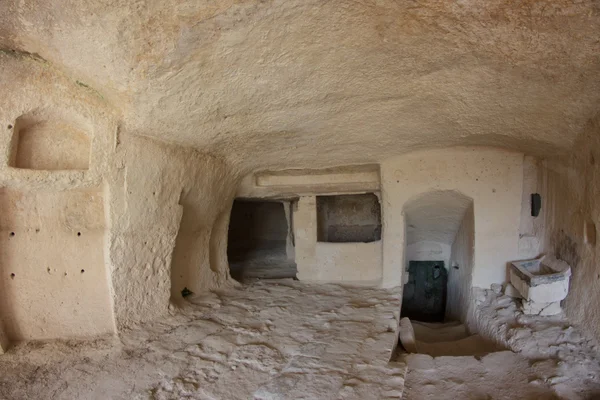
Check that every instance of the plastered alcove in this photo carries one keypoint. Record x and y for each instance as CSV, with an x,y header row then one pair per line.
x,y
43,140
54,151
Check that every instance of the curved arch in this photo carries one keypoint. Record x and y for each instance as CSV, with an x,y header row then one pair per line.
x,y
435,216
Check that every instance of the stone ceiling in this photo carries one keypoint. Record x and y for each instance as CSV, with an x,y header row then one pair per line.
x,y
301,83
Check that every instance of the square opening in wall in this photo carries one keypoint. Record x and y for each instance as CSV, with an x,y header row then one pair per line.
x,y
348,218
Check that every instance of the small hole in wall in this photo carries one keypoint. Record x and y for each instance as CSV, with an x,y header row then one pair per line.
x,y
186,292
12,276
78,233
12,234
589,233
536,204
82,271
10,126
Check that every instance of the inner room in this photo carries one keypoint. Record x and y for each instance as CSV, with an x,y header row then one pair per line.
x,y
260,240
272,200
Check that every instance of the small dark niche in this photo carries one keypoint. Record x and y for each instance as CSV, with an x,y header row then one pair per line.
x,y
536,204
186,292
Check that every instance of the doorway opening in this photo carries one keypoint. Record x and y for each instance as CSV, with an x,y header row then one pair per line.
x,y
439,236
424,295
260,240
439,254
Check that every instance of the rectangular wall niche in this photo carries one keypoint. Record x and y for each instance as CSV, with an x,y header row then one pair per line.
x,y
39,143
348,218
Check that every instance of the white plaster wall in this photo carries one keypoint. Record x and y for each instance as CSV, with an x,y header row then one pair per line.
x,y
461,269
426,250
530,228
491,177
347,262
331,262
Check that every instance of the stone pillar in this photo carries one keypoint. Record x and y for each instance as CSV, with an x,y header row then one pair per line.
x,y
393,232
289,239
305,232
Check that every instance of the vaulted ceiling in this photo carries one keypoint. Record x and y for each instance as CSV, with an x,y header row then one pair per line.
x,y
307,83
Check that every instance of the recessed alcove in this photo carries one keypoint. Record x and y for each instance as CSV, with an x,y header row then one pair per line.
x,y
348,218
45,141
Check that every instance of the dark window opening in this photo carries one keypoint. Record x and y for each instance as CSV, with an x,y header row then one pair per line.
x,y
536,204
348,218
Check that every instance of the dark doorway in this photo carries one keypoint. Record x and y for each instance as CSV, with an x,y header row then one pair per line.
x,y
424,296
259,241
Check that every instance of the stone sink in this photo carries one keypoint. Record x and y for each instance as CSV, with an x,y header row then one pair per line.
x,y
543,280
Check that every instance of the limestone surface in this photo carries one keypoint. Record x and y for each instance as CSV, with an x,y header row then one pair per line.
x,y
282,83
270,340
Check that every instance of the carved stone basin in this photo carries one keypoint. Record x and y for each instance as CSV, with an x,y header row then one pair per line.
x,y
543,280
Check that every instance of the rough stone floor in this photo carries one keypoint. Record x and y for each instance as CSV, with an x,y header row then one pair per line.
x,y
289,340
269,340
263,264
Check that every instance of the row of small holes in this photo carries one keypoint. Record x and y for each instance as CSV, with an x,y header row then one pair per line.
x,y
37,230
12,276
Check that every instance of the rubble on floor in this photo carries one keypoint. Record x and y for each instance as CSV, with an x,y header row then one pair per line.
x,y
549,358
559,354
291,340
267,340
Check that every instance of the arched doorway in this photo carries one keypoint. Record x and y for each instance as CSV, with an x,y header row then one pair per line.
x,y
438,255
